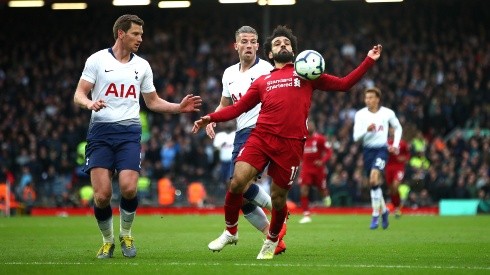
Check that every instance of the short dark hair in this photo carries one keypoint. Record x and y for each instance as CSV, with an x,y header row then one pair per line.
x,y
373,90
280,31
124,23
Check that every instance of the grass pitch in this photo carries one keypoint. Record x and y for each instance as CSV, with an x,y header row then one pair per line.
x,y
331,244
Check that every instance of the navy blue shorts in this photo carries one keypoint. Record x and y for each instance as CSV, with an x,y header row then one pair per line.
x,y
113,146
375,158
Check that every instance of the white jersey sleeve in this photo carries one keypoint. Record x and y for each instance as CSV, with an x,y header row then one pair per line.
x,y
236,84
395,123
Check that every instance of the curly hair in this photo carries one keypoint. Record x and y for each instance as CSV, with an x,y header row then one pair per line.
x,y
280,31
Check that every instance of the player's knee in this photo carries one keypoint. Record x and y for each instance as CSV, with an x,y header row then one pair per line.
x,y
238,184
129,191
102,200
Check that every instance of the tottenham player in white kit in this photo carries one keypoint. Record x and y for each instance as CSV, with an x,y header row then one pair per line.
x,y
236,80
371,125
115,78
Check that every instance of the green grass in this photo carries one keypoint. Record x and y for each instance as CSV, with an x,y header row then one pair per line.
x,y
178,245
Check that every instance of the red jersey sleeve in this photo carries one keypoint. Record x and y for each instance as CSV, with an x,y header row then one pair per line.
x,y
328,82
246,103
328,151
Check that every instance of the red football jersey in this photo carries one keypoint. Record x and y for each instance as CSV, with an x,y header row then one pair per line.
x,y
286,99
402,157
316,148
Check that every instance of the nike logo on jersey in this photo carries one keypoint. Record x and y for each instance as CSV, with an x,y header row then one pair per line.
x,y
229,83
108,71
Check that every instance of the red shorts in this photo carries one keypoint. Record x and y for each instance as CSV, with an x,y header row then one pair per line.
x,y
393,173
282,154
316,177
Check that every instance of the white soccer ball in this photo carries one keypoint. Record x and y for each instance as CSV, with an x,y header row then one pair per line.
x,y
309,64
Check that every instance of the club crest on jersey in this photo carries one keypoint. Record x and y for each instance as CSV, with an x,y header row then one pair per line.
x,y
136,75
121,92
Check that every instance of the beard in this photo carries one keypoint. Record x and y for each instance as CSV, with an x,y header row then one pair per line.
x,y
283,57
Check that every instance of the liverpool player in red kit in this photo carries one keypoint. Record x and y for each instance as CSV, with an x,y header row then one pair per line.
x,y
313,169
280,132
395,171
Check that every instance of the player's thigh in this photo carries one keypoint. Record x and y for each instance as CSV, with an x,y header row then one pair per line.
x,y
389,176
244,173
101,179
127,156
285,161
98,153
320,181
304,180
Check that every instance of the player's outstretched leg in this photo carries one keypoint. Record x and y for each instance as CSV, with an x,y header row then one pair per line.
x,y
223,240
258,196
267,251
281,246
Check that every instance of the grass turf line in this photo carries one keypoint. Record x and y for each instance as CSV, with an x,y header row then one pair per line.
x,y
170,244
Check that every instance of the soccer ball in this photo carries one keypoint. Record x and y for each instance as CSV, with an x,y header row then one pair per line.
x,y
309,64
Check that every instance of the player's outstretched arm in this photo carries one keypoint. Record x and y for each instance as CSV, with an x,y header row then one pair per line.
x,y
225,101
375,52
210,130
190,103
200,123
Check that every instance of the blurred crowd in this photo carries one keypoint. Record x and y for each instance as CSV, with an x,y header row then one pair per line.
x,y
434,73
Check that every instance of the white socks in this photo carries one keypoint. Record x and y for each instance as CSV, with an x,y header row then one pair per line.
x,y
258,219
107,230
377,201
262,199
126,222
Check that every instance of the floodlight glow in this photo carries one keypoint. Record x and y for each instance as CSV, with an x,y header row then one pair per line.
x,y
174,4
69,6
25,4
131,2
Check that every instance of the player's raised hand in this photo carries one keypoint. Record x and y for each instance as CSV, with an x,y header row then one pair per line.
x,y
375,52
190,103
97,105
198,124
210,130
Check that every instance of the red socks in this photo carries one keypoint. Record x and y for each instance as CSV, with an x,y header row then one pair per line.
x,y
233,203
277,221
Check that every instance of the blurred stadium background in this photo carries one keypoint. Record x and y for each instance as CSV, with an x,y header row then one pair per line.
x,y
434,72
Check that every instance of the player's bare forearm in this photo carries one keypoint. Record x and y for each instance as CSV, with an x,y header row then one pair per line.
x,y
83,101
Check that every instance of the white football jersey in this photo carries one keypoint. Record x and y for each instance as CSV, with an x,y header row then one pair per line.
x,y
382,119
236,84
118,84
